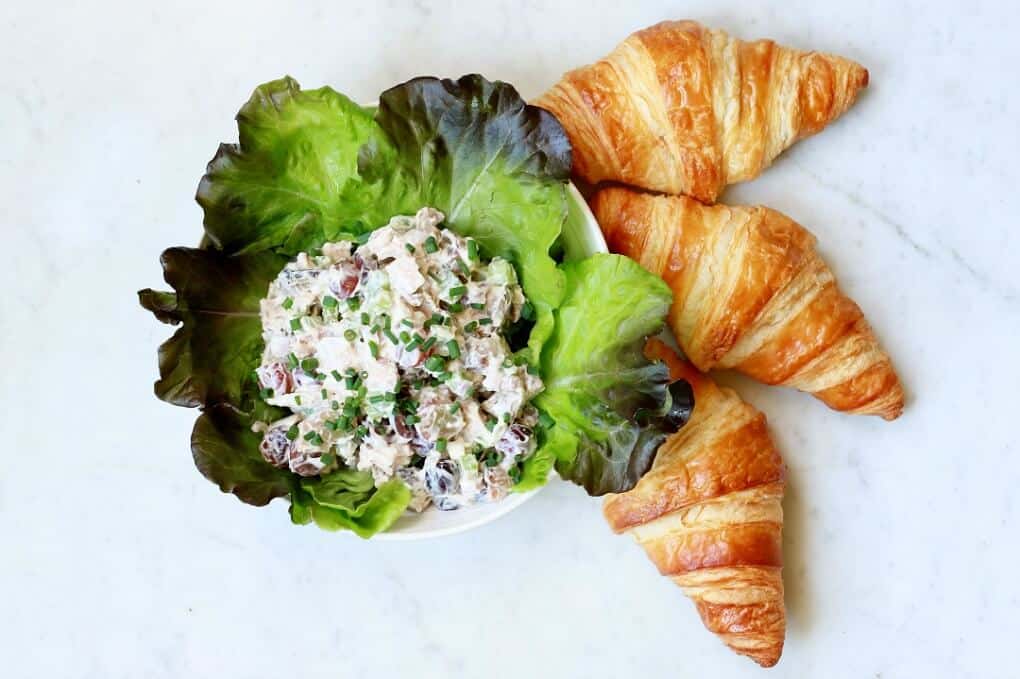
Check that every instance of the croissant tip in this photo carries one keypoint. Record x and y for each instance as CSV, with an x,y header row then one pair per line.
x,y
863,78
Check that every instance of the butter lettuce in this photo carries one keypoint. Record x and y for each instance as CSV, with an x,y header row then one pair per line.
x,y
292,181
611,406
312,166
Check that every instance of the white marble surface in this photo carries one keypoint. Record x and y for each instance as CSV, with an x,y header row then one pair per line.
x,y
119,560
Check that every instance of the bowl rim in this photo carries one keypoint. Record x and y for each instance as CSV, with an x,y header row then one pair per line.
x,y
593,243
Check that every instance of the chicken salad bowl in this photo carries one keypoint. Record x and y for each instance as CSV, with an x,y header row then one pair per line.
x,y
399,319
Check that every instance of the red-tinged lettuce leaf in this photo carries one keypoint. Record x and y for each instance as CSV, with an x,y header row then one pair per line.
x,y
292,182
495,166
226,451
216,298
611,405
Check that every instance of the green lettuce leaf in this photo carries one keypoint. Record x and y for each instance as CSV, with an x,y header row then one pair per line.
x,y
226,451
496,167
609,403
292,182
348,499
211,357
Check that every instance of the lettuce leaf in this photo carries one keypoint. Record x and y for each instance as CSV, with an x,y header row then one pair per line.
x,y
348,499
611,406
216,300
496,167
292,182
226,451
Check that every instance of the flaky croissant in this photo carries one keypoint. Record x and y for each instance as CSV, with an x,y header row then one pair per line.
x,y
709,516
751,293
680,108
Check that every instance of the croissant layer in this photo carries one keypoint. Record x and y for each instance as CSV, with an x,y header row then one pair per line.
x,y
709,516
681,108
751,293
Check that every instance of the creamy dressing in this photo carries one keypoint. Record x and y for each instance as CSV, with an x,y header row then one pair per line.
x,y
392,359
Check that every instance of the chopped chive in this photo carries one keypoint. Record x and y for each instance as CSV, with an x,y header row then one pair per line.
x,y
506,417
351,383
377,398
520,359
374,329
435,364
309,435
470,327
292,433
335,405
350,335
353,303
428,344
455,308
325,394
508,362
453,349
454,407
431,245
373,349
336,375
412,345
328,458
288,303
389,397
362,431
412,419
390,336
464,268
350,409
441,445
408,322
485,321
457,291
365,320
297,400
472,250
409,248
292,361
470,393
329,302
490,424
405,336
527,311
295,324
309,364
329,424
478,305
343,423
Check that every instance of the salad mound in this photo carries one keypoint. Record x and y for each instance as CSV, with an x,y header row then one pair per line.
x,y
391,358
314,173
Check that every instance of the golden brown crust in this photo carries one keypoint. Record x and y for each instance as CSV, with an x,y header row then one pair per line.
x,y
709,515
751,293
680,108
743,606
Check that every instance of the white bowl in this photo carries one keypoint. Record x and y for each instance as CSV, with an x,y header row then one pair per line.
x,y
581,238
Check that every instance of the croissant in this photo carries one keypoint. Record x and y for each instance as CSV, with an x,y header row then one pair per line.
x,y
680,108
751,293
709,515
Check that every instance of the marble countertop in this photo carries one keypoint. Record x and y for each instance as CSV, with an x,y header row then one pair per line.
x,y
120,560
